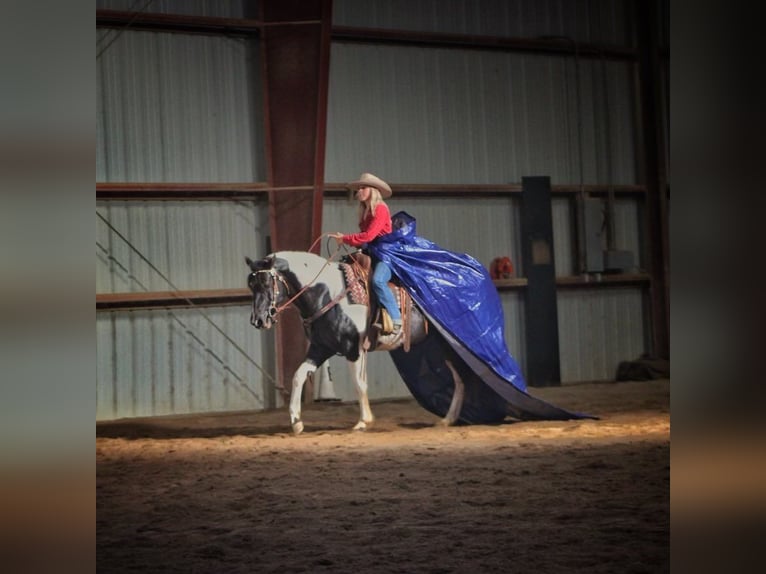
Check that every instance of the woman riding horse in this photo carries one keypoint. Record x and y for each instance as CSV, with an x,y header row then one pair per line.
x,y
375,222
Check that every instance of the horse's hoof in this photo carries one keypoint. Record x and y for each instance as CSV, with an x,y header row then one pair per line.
x,y
297,427
360,426
445,423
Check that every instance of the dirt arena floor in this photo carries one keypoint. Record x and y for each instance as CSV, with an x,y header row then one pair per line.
x,y
239,493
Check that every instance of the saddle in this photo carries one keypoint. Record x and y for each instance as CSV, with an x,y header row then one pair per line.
x,y
356,271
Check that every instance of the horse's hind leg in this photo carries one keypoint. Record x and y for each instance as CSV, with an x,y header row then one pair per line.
x,y
457,397
358,371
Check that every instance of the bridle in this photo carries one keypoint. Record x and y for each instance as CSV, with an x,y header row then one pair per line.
x,y
274,310
276,279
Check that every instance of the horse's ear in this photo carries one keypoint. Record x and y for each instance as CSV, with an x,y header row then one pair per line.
x,y
250,263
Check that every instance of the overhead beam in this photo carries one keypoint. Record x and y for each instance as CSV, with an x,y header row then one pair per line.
x,y
563,46
158,22
225,297
168,299
237,191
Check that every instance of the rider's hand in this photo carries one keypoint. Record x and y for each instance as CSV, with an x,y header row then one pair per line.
x,y
337,237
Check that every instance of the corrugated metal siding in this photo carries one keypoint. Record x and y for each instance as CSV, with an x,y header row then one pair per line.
x,y
162,362
171,362
218,8
428,115
196,244
598,328
179,108
186,108
602,21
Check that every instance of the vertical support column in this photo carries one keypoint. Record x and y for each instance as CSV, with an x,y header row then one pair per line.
x,y
295,41
655,173
540,305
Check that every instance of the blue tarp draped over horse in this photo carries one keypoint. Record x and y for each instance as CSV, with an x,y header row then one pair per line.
x,y
457,295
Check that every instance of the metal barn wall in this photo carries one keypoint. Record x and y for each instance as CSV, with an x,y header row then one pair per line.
x,y
598,328
434,115
195,244
160,362
155,362
187,108
179,108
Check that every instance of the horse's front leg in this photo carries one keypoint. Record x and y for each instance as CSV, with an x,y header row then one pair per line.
x,y
299,378
358,371
457,397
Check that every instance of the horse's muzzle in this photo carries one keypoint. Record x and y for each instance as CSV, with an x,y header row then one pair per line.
x,y
266,323
261,323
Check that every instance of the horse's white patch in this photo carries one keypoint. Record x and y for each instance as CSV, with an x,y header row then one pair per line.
x,y
311,269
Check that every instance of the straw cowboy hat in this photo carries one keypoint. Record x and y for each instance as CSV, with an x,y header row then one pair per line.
x,y
367,179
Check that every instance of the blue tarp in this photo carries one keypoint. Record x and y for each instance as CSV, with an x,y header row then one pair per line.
x,y
457,295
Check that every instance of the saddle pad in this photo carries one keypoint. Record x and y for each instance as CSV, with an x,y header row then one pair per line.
x,y
357,291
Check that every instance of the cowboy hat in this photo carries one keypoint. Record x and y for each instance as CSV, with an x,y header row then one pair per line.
x,y
367,179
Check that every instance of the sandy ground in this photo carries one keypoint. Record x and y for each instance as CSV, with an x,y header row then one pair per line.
x,y
239,493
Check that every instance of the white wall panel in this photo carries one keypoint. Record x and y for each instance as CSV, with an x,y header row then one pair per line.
x,y
598,328
160,362
178,108
195,244
430,115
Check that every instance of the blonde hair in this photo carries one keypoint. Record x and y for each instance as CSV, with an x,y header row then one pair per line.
x,y
369,206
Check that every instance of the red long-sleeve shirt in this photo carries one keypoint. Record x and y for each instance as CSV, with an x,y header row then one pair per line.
x,y
373,226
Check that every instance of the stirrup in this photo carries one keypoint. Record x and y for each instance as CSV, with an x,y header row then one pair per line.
x,y
392,338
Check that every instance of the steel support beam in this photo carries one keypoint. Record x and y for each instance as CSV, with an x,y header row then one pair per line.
x,y
296,61
655,172
540,302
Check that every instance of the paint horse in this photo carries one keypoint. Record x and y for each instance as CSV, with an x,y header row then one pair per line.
x,y
334,324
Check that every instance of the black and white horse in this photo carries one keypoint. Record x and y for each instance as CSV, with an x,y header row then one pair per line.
x,y
334,326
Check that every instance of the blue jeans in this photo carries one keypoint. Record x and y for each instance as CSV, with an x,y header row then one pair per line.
x,y
380,278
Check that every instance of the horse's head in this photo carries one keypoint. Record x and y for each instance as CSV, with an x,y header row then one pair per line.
x,y
268,287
